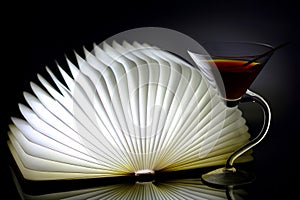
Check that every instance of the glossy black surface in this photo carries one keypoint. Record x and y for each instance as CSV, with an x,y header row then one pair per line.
x,y
39,33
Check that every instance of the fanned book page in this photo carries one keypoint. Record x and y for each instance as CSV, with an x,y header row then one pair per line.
x,y
123,109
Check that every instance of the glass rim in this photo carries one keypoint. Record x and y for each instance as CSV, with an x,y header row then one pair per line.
x,y
269,48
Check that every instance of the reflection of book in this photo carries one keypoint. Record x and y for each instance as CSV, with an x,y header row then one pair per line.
x,y
124,109
183,188
176,189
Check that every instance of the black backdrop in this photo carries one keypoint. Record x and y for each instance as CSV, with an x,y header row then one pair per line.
x,y
39,33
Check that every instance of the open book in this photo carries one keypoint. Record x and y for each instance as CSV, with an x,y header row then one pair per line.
x,y
124,109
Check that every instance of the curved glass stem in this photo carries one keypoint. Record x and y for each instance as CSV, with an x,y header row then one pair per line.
x,y
250,96
230,193
228,176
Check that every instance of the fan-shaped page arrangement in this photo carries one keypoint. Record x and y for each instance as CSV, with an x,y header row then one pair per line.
x,y
123,108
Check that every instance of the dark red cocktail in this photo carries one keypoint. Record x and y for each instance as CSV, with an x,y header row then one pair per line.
x,y
237,75
239,63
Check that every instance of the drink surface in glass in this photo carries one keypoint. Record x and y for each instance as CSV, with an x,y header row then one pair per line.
x,y
237,75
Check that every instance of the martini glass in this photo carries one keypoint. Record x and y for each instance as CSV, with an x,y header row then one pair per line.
x,y
239,63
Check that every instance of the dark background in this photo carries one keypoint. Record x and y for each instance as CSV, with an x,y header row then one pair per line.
x,y
37,34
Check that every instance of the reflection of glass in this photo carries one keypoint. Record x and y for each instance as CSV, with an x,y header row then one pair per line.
x,y
239,63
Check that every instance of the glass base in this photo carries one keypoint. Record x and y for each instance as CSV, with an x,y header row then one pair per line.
x,y
223,178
